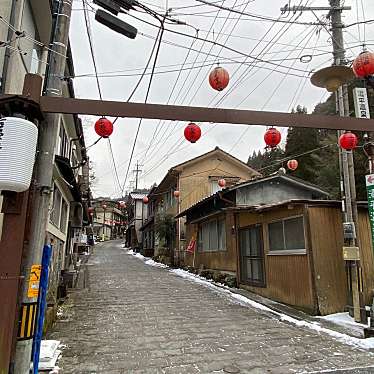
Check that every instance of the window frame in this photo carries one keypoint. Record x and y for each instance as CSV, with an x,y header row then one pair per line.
x,y
285,251
217,225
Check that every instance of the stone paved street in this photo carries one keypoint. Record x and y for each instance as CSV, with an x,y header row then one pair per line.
x,y
135,318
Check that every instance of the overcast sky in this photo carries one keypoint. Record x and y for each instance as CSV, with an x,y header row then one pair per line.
x,y
253,85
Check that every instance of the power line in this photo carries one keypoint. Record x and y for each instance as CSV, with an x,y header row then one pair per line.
x,y
146,98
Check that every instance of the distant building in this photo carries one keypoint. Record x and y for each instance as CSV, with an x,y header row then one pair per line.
x,y
108,219
137,214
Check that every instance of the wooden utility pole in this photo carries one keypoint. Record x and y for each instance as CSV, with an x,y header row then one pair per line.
x,y
137,171
43,171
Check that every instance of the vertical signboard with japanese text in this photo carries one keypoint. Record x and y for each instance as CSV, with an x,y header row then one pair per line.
x,y
360,98
370,193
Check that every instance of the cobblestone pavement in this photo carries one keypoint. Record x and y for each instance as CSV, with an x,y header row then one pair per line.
x,y
135,318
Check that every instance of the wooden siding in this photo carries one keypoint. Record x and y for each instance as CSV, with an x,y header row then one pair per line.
x,y
194,179
330,274
326,233
219,260
367,258
288,277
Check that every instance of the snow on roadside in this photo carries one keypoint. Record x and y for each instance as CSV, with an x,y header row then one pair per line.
x,y
151,262
343,319
344,338
245,301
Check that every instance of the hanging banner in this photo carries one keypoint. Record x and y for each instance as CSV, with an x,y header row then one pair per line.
x,y
370,193
360,98
191,246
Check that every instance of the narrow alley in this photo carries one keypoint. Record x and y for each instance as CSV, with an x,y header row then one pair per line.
x,y
135,318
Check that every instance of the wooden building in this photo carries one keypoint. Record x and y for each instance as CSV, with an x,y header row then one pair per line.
x,y
193,179
280,244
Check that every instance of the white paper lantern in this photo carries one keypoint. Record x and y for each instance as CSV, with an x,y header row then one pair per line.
x,y
18,139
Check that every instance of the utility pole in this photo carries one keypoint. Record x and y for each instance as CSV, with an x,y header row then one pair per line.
x,y
43,171
347,163
137,171
348,186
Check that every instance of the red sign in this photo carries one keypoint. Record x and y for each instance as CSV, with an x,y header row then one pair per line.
x,y
191,246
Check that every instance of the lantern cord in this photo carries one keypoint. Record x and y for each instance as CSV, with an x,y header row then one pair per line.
x,y
114,164
281,161
88,28
160,34
94,143
156,132
187,77
178,142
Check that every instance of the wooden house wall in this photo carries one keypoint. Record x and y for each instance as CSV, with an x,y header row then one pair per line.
x,y
225,261
288,277
194,180
326,234
367,257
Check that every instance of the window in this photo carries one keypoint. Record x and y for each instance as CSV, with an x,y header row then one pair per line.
x,y
251,256
212,236
59,211
287,235
56,208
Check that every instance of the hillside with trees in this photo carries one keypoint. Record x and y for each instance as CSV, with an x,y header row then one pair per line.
x,y
316,151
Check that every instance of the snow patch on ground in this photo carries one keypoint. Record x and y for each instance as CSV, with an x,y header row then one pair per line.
x,y
356,342
151,262
343,319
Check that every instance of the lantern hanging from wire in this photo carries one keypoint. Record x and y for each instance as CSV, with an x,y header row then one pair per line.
x,y
145,200
272,137
177,194
222,182
363,65
219,78
122,204
292,164
348,141
104,127
192,132
104,206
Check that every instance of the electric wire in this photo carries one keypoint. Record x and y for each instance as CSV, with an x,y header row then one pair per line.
x,y
146,98
90,40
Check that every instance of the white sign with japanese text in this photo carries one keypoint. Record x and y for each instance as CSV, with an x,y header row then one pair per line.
x,y
360,98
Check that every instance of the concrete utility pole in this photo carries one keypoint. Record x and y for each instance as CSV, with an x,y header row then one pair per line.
x,y
348,186
43,171
137,171
346,162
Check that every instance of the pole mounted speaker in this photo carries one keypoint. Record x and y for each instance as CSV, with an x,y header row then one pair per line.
x,y
109,5
115,24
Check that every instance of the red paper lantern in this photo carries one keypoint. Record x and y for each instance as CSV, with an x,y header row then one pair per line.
x,y
192,132
104,127
292,164
348,141
91,209
219,78
91,214
222,182
145,200
104,206
272,137
176,194
363,65
122,204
